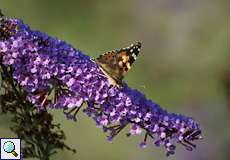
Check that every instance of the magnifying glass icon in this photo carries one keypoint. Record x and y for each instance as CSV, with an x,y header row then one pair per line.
x,y
9,147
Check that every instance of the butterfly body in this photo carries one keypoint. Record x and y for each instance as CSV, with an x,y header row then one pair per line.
x,y
115,64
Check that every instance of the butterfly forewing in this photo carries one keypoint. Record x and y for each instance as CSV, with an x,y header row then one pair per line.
x,y
118,62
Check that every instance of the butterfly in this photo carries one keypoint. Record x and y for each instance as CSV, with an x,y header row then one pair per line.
x,y
115,64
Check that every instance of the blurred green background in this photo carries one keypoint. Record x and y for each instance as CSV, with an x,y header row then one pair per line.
x,y
185,52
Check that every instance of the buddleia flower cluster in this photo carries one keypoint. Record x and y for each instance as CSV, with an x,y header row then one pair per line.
x,y
40,136
56,75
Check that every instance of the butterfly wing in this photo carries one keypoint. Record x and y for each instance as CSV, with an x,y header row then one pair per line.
x,y
118,62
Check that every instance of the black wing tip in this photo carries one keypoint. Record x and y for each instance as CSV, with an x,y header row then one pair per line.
x,y
138,44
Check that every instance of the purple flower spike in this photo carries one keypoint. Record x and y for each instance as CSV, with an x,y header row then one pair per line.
x,y
56,75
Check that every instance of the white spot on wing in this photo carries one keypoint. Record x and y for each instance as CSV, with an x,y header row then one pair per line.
x,y
134,56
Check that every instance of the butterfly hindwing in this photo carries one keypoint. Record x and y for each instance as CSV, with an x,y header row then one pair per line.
x,y
117,63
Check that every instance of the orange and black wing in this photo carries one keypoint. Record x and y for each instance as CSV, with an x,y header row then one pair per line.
x,y
118,62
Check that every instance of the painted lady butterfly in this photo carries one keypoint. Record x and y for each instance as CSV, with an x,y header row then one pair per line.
x,y
115,64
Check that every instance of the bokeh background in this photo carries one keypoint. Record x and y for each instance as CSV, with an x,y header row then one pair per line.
x,y
183,66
